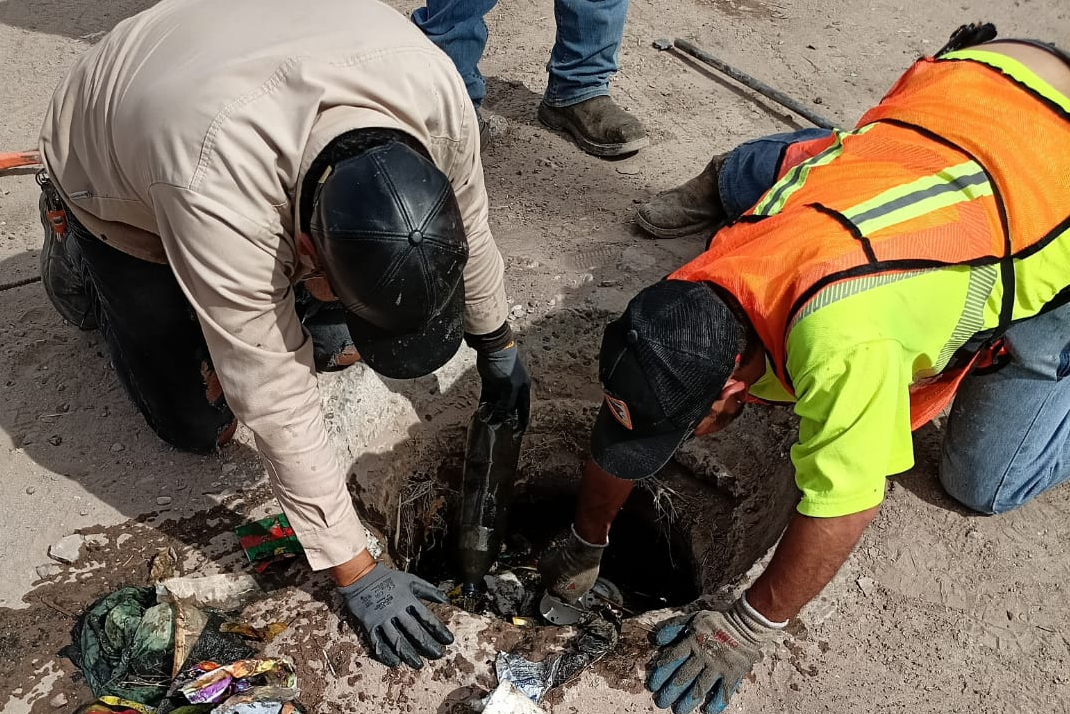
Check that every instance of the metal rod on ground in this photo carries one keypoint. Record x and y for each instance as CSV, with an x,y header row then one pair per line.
x,y
746,80
18,283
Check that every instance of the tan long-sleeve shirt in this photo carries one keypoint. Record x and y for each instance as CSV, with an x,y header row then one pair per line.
x,y
183,137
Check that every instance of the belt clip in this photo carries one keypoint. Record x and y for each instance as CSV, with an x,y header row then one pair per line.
x,y
58,220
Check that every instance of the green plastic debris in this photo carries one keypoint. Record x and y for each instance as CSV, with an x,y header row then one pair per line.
x,y
268,540
125,646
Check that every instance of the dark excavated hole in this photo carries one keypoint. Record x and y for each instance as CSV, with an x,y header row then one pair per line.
x,y
696,528
649,560
646,559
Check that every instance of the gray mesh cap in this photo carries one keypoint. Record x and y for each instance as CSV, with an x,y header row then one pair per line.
x,y
663,363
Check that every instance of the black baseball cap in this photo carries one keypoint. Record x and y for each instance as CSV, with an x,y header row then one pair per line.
x,y
392,244
663,364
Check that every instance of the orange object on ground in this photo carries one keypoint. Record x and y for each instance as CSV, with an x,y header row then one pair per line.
x,y
19,159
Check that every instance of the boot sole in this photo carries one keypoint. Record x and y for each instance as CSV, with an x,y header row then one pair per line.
x,y
591,147
681,232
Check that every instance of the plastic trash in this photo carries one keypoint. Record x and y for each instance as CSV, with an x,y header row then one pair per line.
x,y
268,541
507,594
264,707
273,679
507,699
225,591
599,634
558,612
124,643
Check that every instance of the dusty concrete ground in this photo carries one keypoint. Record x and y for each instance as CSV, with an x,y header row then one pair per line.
x,y
938,610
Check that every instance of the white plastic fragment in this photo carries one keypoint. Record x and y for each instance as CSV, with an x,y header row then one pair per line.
x,y
507,699
506,592
226,591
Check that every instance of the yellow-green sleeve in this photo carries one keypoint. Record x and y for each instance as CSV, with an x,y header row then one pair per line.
x,y
854,429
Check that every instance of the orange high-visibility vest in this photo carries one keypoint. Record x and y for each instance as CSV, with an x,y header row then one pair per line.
x,y
958,165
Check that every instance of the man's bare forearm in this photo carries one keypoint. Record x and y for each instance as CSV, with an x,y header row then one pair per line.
x,y
808,556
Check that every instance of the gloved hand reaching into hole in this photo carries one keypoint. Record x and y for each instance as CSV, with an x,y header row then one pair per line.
x,y
569,569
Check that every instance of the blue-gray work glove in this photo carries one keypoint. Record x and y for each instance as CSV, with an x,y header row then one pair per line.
x,y
400,627
506,385
704,657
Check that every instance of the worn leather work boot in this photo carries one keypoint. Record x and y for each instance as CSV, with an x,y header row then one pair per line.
x,y
694,207
598,125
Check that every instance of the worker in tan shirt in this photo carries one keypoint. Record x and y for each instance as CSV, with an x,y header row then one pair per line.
x,y
216,174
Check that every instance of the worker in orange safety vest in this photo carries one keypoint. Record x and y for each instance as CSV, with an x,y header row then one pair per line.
x,y
863,276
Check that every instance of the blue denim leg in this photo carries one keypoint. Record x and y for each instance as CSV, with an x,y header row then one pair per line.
x,y
585,51
326,324
1008,434
458,29
751,169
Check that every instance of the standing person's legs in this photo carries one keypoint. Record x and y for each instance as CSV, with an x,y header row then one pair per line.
x,y
458,29
1008,435
577,91
729,185
585,50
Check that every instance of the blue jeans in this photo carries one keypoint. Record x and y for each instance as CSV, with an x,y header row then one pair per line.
x,y
581,62
751,168
1008,435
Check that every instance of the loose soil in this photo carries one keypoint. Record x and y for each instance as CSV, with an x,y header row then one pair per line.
x,y
938,609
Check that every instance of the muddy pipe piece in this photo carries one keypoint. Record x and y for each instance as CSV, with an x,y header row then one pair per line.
x,y
490,462
746,80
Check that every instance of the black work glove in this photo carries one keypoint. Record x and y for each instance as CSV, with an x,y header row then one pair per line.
x,y
975,33
506,385
399,626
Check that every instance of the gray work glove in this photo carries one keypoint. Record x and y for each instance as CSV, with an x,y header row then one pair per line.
x,y
704,657
399,626
570,567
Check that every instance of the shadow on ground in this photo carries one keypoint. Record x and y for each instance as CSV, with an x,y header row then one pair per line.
x,y
80,21
65,411
923,480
